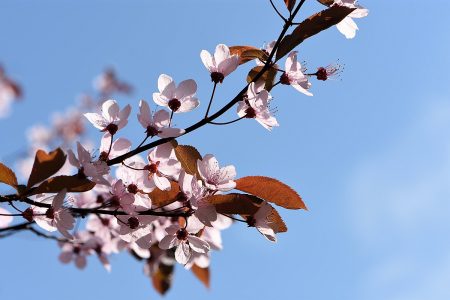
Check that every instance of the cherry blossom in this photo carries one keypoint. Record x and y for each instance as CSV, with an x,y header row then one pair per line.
x,y
88,168
110,150
112,118
256,106
57,217
268,47
179,98
214,177
162,166
185,241
221,64
262,221
107,83
156,124
294,76
347,26
120,197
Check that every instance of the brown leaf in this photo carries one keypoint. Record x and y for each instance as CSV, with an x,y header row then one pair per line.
x,y
58,183
239,204
290,4
7,176
276,222
271,190
45,165
162,278
312,26
248,53
326,2
162,198
187,156
268,77
202,274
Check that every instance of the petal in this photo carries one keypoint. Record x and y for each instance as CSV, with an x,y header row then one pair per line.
x,y
110,110
299,88
168,242
59,199
183,253
80,261
72,159
160,99
145,114
123,116
97,120
120,146
188,104
66,257
170,132
229,65
162,182
347,27
221,54
164,81
207,60
186,88
198,245
161,118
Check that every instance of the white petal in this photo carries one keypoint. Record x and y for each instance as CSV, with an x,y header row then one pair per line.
x,y
145,114
183,253
168,242
164,81
110,110
188,104
96,120
207,60
186,88
222,53
347,27
198,245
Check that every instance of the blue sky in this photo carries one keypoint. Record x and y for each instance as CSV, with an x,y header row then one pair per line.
x,y
368,153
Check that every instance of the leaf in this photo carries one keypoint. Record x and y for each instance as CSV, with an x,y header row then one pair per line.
x,y
248,53
202,274
162,277
237,204
7,176
268,76
45,165
271,190
326,2
276,222
312,26
56,184
188,156
162,198
290,4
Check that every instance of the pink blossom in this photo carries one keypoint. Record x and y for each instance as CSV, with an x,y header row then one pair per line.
x,y
162,166
294,76
156,124
135,228
117,148
5,220
57,217
263,223
120,197
86,167
185,241
256,106
112,118
107,83
214,177
267,49
179,98
221,64
347,26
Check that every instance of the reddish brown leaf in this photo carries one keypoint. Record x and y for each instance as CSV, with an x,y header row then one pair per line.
x,y
271,190
7,176
248,53
45,165
290,4
162,278
268,77
239,204
326,2
276,222
312,26
162,198
56,184
188,156
202,274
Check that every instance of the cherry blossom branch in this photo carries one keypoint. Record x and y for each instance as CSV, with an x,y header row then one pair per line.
x,y
225,108
226,123
277,11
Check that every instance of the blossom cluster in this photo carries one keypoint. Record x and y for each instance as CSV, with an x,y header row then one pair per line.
x,y
161,201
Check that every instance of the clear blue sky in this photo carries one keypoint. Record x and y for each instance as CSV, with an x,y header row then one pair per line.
x,y
369,154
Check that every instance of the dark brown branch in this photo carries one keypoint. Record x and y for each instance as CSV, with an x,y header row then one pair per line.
x,y
224,109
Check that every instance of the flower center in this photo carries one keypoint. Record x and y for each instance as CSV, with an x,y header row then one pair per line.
x,y
152,131
174,104
114,201
50,213
284,79
152,168
251,221
103,156
28,214
250,113
111,128
217,77
133,222
322,74
105,222
182,234
132,188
